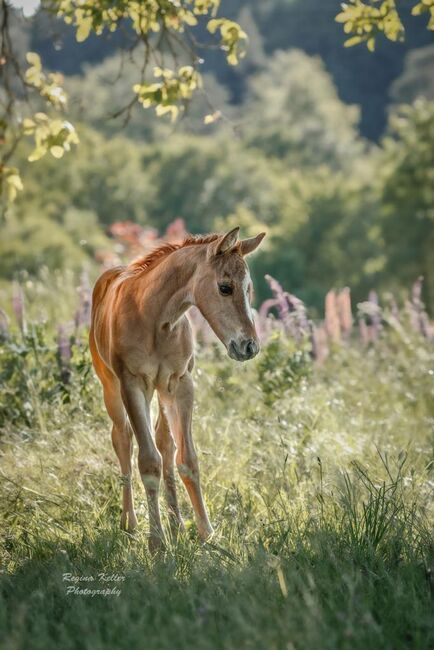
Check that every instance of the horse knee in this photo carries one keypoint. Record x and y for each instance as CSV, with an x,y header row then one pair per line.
x,y
150,469
188,466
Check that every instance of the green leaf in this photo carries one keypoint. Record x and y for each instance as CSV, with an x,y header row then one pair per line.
x,y
212,117
354,40
37,154
163,110
28,124
213,25
15,180
83,29
34,59
57,151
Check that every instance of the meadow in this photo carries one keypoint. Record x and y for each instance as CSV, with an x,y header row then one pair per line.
x,y
317,475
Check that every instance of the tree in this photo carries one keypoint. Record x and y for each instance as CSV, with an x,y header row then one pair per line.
x,y
408,196
295,113
164,38
202,180
327,236
98,97
366,19
417,78
105,176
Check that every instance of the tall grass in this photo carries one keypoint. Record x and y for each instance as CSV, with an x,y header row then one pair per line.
x,y
318,478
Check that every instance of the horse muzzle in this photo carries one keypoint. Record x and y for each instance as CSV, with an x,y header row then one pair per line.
x,y
244,350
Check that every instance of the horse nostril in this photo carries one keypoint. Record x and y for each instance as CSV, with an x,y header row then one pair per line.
x,y
250,348
246,349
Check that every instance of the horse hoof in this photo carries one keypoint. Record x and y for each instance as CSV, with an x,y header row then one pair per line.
x,y
206,534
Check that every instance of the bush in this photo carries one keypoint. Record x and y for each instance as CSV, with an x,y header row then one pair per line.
x,y
282,366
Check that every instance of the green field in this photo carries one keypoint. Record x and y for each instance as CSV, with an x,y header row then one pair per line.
x,y
318,483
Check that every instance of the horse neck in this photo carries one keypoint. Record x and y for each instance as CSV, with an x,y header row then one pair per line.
x,y
169,285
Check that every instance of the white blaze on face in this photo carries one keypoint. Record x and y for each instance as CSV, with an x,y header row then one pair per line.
x,y
240,334
246,284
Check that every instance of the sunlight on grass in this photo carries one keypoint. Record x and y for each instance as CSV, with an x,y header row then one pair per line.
x,y
321,498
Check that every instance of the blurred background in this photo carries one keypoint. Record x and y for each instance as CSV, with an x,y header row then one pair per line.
x,y
328,149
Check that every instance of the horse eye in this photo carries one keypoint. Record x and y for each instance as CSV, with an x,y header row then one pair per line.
x,y
225,289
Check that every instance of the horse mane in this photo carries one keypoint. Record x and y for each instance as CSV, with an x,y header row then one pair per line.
x,y
159,253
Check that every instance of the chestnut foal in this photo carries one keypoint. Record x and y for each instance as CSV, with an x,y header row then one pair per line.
x,y
141,341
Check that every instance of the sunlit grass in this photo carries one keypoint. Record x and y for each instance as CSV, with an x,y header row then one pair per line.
x,y
321,500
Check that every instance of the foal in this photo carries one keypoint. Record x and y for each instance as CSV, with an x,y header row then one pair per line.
x,y
141,341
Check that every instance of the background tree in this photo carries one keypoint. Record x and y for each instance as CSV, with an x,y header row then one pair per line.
x,y
284,151
295,113
417,78
408,195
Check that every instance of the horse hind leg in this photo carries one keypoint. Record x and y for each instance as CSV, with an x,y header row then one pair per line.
x,y
122,444
121,436
166,446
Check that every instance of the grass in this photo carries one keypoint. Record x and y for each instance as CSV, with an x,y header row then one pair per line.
x,y
321,495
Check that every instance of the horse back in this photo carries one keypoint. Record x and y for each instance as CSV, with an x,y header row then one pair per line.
x,y
102,285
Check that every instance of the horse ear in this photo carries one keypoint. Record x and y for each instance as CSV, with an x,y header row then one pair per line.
x,y
227,242
247,246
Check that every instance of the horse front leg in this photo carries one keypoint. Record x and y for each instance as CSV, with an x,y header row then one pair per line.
x,y
179,413
137,399
166,447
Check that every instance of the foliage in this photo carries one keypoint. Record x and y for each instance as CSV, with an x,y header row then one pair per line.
x,y
50,132
281,367
100,92
408,194
308,25
55,136
367,19
295,113
417,78
154,16
231,35
328,237
172,20
34,241
105,176
34,379
170,87
289,159
11,182
202,180
327,227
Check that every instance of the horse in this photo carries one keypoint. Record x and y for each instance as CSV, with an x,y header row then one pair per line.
x,y
141,342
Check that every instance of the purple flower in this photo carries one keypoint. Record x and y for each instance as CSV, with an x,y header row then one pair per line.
x,y
292,311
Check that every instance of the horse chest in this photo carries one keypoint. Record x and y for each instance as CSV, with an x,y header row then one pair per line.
x,y
161,361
